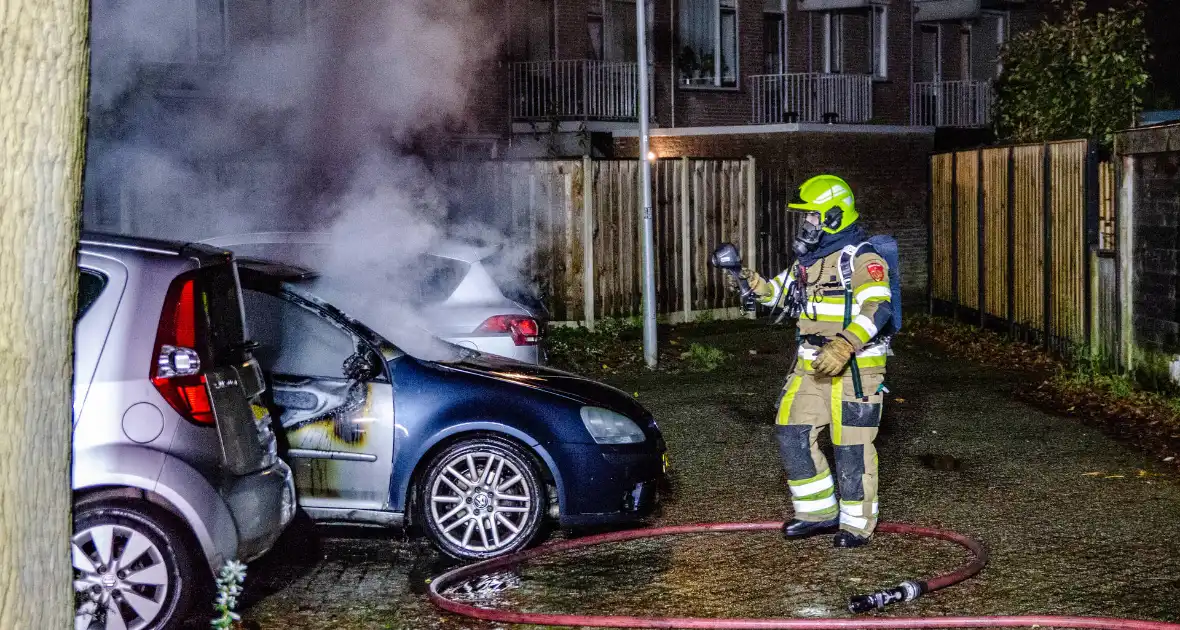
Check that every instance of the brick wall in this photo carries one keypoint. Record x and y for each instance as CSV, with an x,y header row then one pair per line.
x,y
488,107
891,97
1156,305
887,172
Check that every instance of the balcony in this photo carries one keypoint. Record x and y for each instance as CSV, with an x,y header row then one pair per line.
x,y
945,10
811,98
952,104
575,90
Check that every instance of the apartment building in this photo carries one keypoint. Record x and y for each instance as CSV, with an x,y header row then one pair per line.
x,y
856,87
570,65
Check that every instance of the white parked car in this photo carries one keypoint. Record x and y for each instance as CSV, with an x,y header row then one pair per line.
x,y
459,298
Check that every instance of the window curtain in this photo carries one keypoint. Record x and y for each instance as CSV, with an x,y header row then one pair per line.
x,y
594,32
698,28
729,58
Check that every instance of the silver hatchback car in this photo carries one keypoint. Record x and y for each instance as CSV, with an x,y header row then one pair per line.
x,y
175,463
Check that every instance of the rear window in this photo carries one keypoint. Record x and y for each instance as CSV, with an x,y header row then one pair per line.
x,y
221,299
515,282
433,278
90,285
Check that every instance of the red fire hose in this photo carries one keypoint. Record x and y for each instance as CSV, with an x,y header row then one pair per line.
x,y
903,592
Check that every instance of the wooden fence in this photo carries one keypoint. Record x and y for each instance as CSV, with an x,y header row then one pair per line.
x,y
581,222
1012,230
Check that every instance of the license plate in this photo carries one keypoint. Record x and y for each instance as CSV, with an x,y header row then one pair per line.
x,y
665,461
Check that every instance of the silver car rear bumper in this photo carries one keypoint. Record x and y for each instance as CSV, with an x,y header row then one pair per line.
x,y
257,501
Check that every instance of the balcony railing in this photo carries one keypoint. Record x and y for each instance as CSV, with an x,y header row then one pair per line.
x,y
575,89
952,104
811,98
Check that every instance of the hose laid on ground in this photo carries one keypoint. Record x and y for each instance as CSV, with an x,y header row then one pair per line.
x,y
906,591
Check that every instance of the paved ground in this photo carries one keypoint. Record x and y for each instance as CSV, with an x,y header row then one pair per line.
x,y
956,451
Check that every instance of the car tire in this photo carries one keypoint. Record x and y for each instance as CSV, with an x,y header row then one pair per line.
x,y
474,516
153,590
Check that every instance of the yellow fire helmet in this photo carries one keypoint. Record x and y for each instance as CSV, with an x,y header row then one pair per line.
x,y
832,198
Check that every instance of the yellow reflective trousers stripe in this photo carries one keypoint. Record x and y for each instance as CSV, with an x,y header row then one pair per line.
x,y
784,408
837,410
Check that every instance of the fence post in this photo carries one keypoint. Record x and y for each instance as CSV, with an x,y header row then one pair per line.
x,y
588,181
955,234
981,225
685,240
751,219
1092,303
1011,239
1091,249
1124,210
1047,201
930,234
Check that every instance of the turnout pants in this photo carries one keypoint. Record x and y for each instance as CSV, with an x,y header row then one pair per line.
x,y
809,404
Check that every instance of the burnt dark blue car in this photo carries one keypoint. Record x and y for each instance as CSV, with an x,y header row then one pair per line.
x,y
481,452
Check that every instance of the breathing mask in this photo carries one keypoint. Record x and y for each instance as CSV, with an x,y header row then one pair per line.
x,y
807,235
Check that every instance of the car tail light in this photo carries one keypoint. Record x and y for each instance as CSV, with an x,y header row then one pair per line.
x,y
525,330
176,370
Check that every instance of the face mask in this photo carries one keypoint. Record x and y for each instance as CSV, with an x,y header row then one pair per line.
x,y
806,237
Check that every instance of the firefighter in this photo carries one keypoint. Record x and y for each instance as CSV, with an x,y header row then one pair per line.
x,y
838,288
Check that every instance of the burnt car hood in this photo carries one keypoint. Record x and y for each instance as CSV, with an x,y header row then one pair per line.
x,y
578,388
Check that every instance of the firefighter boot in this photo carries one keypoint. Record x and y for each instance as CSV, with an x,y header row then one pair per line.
x,y
804,529
849,540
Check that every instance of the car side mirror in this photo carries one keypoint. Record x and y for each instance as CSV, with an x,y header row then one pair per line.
x,y
363,365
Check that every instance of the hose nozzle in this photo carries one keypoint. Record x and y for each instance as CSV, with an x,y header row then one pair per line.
x,y
904,592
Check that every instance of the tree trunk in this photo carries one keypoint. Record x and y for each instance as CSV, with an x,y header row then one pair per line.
x,y
42,125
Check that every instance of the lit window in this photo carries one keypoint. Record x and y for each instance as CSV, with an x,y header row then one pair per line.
x,y
708,43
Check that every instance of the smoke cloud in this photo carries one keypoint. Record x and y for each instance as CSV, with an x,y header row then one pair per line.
x,y
220,117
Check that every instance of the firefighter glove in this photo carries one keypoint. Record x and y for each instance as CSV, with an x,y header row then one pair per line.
x,y
832,358
757,284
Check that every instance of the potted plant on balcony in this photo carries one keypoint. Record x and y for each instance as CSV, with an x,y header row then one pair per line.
x,y
707,67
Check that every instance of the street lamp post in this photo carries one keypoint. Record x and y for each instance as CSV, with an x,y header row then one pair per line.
x,y
649,262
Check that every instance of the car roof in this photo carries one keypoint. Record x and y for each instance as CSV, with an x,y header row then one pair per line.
x,y
91,240
453,250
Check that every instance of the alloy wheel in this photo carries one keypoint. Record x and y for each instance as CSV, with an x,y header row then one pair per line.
x,y
481,501
120,579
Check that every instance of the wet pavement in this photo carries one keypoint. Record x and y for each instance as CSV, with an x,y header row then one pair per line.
x,y
1076,523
